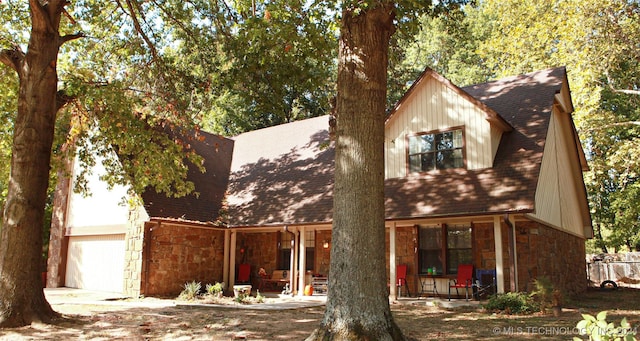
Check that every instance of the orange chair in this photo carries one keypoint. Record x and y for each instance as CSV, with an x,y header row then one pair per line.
x,y
464,280
244,274
401,275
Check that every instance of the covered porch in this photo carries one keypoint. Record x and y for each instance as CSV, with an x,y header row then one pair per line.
x,y
487,242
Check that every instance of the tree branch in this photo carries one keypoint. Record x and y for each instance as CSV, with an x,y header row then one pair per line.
x,y
617,124
610,82
139,29
13,58
70,37
628,92
62,99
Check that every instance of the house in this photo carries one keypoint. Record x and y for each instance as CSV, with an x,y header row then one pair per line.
x,y
489,174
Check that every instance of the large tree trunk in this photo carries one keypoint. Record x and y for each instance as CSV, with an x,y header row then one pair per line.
x,y
22,299
358,301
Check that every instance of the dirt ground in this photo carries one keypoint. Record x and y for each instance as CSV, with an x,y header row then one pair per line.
x,y
150,319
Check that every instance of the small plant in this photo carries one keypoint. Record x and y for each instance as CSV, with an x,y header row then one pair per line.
x,y
546,295
259,298
512,303
241,297
191,291
214,290
597,328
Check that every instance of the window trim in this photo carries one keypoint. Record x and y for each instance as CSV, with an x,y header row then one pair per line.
x,y
434,132
443,247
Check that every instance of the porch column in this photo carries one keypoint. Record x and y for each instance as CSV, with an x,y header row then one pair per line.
x,y
225,261
393,289
513,254
497,237
302,261
292,263
232,260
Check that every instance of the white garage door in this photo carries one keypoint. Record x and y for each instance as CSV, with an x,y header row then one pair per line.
x,y
96,263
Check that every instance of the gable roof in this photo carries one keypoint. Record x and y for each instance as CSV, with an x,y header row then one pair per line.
x,y
283,175
210,186
491,116
525,102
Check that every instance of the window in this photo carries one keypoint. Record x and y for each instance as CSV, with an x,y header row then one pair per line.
x,y
284,250
444,247
310,243
437,150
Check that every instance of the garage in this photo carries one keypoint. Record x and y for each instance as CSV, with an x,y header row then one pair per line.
x,y
96,262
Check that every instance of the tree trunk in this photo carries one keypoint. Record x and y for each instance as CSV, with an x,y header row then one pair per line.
x,y
22,299
358,301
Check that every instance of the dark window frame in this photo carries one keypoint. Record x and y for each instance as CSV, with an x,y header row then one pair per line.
x,y
443,252
435,151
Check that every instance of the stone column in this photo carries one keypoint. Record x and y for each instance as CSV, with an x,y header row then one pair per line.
x,y
134,242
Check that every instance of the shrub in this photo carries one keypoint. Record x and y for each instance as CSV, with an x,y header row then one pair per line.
x,y
191,291
242,298
214,290
545,294
512,303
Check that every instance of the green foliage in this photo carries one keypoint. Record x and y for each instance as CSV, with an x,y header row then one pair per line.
x,y
598,329
259,297
214,290
191,291
512,303
545,294
242,297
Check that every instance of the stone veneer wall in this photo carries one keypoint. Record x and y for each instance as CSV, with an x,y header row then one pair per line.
x,y
542,251
323,256
484,249
548,252
406,244
175,254
257,249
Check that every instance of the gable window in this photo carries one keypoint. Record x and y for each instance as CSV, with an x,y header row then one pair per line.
x,y
436,150
444,247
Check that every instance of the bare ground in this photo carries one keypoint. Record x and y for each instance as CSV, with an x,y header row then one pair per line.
x,y
149,319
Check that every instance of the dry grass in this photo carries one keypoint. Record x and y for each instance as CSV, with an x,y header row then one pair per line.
x,y
421,322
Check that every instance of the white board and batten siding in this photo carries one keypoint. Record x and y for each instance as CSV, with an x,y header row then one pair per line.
x,y
560,181
96,227
434,106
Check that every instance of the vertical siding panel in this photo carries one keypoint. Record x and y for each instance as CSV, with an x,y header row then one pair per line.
x,y
548,194
434,106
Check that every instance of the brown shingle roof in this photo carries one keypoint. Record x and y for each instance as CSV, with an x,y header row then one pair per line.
x,y
210,185
525,102
284,174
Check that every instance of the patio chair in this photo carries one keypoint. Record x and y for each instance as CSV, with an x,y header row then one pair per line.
x,y
485,282
463,280
401,275
244,274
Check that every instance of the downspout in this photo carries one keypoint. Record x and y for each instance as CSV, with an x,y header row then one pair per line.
x,y
513,269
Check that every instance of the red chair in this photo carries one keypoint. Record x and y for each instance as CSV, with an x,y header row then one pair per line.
x,y
401,275
244,274
464,280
